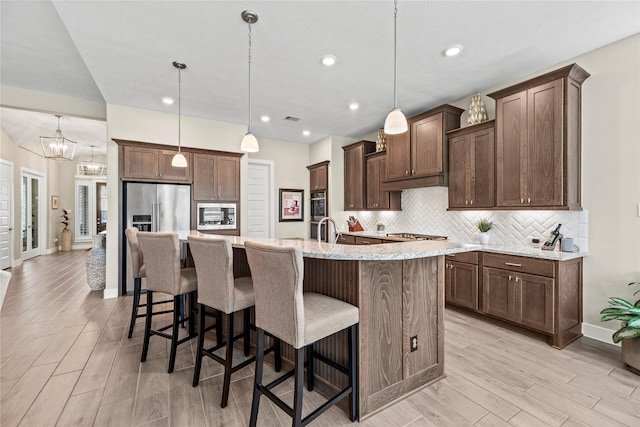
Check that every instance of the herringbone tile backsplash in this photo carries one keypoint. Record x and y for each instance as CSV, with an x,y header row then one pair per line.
x,y
424,210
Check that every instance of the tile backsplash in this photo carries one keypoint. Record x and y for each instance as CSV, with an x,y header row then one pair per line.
x,y
424,210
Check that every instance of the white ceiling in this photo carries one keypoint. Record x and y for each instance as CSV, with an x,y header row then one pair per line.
x,y
120,52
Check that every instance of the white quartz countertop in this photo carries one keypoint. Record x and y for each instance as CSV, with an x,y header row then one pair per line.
x,y
528,251
313,249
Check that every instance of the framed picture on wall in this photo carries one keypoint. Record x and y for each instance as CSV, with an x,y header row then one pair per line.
x,y
54,202
291,205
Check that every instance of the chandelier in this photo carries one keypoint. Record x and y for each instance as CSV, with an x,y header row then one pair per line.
x,y
57,147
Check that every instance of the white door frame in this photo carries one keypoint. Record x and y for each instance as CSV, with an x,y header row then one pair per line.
x,y
42,210
11,225
271,190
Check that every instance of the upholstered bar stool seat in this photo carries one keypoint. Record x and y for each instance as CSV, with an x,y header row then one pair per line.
x,y
162,262
139,271
299,319
218,289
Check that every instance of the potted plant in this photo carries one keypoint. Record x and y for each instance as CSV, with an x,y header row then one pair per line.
x,y
379,225
629,333
484,226
65,237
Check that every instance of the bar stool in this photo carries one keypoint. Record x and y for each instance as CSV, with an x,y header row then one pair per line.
x,y
213,258
299,319
162,261
139,271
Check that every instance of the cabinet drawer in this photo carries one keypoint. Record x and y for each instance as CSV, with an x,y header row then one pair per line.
x,y
367,241
468,257
541,267
344,239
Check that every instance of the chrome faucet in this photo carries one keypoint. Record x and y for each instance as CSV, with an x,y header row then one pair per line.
x,y
335,228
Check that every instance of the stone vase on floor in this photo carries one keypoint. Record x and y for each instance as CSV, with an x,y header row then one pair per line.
x,y
631,354
65,240
96,263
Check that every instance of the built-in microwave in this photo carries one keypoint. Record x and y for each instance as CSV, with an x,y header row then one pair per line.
x,y
216,216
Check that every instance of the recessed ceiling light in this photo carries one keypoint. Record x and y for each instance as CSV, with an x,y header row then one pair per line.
x,y
329,60
265,118
354,106
306,132
453,50
167,100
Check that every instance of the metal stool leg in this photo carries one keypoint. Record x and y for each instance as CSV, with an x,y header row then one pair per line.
x,y
175,330
199,355
257,382
147,326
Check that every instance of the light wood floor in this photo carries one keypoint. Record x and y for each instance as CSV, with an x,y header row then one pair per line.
x,y
66,360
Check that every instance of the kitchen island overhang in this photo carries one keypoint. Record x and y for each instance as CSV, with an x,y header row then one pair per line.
x,y
399,289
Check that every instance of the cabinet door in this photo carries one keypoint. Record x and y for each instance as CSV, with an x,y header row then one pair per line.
x,y
168,172
511,137
427,146
534,302
498,294
140,163
398,156
203,177
374,166
318,178
544,145
354,178
482,161
459,172
464,284
227,182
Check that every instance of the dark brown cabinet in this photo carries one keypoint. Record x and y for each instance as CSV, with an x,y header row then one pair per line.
x,y
355,174
461,279
541,295
319,176
216,177
153,164
538,141
471,167
418,158
377,198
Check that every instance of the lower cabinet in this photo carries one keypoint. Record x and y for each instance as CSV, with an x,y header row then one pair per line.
x,y
541,295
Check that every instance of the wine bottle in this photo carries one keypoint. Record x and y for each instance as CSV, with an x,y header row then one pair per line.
x,y
553,239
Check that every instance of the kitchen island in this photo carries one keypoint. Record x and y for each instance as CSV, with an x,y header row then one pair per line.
x,y
399,289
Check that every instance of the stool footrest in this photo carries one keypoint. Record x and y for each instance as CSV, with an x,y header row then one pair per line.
x,y
331,363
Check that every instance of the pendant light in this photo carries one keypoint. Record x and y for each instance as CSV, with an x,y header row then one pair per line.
x,y
179,160
395,122
249,143
57,147
92,167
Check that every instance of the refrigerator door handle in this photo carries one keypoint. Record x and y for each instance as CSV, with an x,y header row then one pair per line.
x,y
154,217
158,210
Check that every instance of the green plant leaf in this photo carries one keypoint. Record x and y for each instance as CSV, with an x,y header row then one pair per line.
x,y
637,304
634,323
624,333
621,317
620,301
614,310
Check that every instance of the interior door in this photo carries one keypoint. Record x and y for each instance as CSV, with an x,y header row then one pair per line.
x,y
6,218
260,199
33,193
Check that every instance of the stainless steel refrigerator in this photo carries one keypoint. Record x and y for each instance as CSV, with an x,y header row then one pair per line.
x,y
154,207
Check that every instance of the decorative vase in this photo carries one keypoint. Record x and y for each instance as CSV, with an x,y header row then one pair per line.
x,y
631,354
380,227
65,240
477,112
484,238
96,263
381,142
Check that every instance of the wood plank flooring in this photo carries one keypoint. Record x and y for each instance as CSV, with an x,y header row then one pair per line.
x,y
65,360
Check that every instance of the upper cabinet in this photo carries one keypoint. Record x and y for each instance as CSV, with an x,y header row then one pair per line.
x,y
376,197
319,176
471,167
418,158
153,164
216,177
355,174
538,141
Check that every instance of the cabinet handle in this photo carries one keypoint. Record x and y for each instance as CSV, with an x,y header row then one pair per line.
x,y
466,202
510,277
453,255
412,171
517,278
406,172
471,202
521,200
513,264
528,199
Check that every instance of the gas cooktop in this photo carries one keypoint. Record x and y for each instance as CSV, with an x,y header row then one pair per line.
x,y
414,236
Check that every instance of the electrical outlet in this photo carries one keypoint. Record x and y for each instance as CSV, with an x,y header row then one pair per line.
x,y
414,343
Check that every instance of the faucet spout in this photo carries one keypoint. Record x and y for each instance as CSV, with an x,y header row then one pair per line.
x,y
335,229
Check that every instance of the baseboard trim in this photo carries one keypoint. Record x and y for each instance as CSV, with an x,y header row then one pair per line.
x,y
110,293
598,333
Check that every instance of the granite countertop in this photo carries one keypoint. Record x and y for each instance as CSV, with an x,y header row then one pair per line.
x,y
313,249
528,251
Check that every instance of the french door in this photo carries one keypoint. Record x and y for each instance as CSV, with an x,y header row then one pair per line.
x,y
6,214
32,199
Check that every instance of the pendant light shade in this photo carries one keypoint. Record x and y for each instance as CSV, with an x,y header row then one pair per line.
x,y
395,122
57,147
249,142
92,167
179,160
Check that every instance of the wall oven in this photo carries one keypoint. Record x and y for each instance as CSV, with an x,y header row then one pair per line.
x,y
216,216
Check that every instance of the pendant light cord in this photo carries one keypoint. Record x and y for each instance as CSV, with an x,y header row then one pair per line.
x,y
179,105
249,78
395,54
